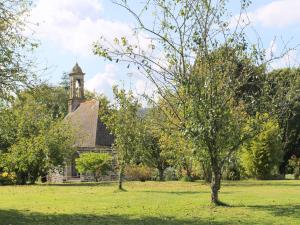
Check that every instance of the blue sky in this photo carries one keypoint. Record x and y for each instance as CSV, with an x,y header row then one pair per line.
x,y
67,29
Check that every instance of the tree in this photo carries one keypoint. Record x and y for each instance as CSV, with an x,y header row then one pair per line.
x,y
262,156
162,145
60,139
8,129
54,98
97,164
43,103
283,102
152,152
65,81
26,159
121,118
180,152
192,57
34,156
35,139
15,47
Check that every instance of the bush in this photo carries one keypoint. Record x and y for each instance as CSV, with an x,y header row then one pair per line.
x,y
294,164
98,164
32,157
139,172
7,178
27,159
262,155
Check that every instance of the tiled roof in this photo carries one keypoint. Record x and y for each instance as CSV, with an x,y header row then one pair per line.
x,y
91,132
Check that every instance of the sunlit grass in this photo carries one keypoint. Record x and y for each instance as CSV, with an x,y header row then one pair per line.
x,y
250,202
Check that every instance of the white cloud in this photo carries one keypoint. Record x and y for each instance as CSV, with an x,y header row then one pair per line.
x,y
278,13
102,82
75,24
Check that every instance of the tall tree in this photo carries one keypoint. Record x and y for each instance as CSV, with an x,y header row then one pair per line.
x,y
34,156
163,145
152,152
192,57
33,137
282,100
54,98
14,47
122,119
262,155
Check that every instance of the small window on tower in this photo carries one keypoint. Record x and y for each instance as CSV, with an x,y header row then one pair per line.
x,y
77,86
77,83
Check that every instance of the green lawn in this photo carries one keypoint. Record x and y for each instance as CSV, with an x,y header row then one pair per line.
x,y
251,202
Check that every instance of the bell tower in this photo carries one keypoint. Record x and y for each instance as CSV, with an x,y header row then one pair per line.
x,y
76,95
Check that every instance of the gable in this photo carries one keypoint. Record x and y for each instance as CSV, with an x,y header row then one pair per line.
x,y
84,121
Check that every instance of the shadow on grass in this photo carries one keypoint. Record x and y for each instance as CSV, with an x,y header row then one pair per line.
x,y
120,190
279,210
19,217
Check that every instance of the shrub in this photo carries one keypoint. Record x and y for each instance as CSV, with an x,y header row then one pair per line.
x,y
262,155
139,172
27,159
33,157
7,178
294,163
98,164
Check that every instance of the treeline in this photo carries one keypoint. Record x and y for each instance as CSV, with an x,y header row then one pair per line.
x,y
149,140
215,88
34,139
220,109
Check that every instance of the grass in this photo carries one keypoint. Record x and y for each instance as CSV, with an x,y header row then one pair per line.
x,y
250,202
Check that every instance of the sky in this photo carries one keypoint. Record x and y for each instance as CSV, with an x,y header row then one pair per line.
x,y
67,29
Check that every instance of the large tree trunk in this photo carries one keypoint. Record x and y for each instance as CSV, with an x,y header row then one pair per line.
x,y
215,177
121,176
215,186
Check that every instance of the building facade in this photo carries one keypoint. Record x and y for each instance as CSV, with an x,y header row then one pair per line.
x,y
91,134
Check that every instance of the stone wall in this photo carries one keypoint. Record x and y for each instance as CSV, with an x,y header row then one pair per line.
x,y
55,176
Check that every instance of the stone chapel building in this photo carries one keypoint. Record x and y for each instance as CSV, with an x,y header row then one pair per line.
x,y
91,133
